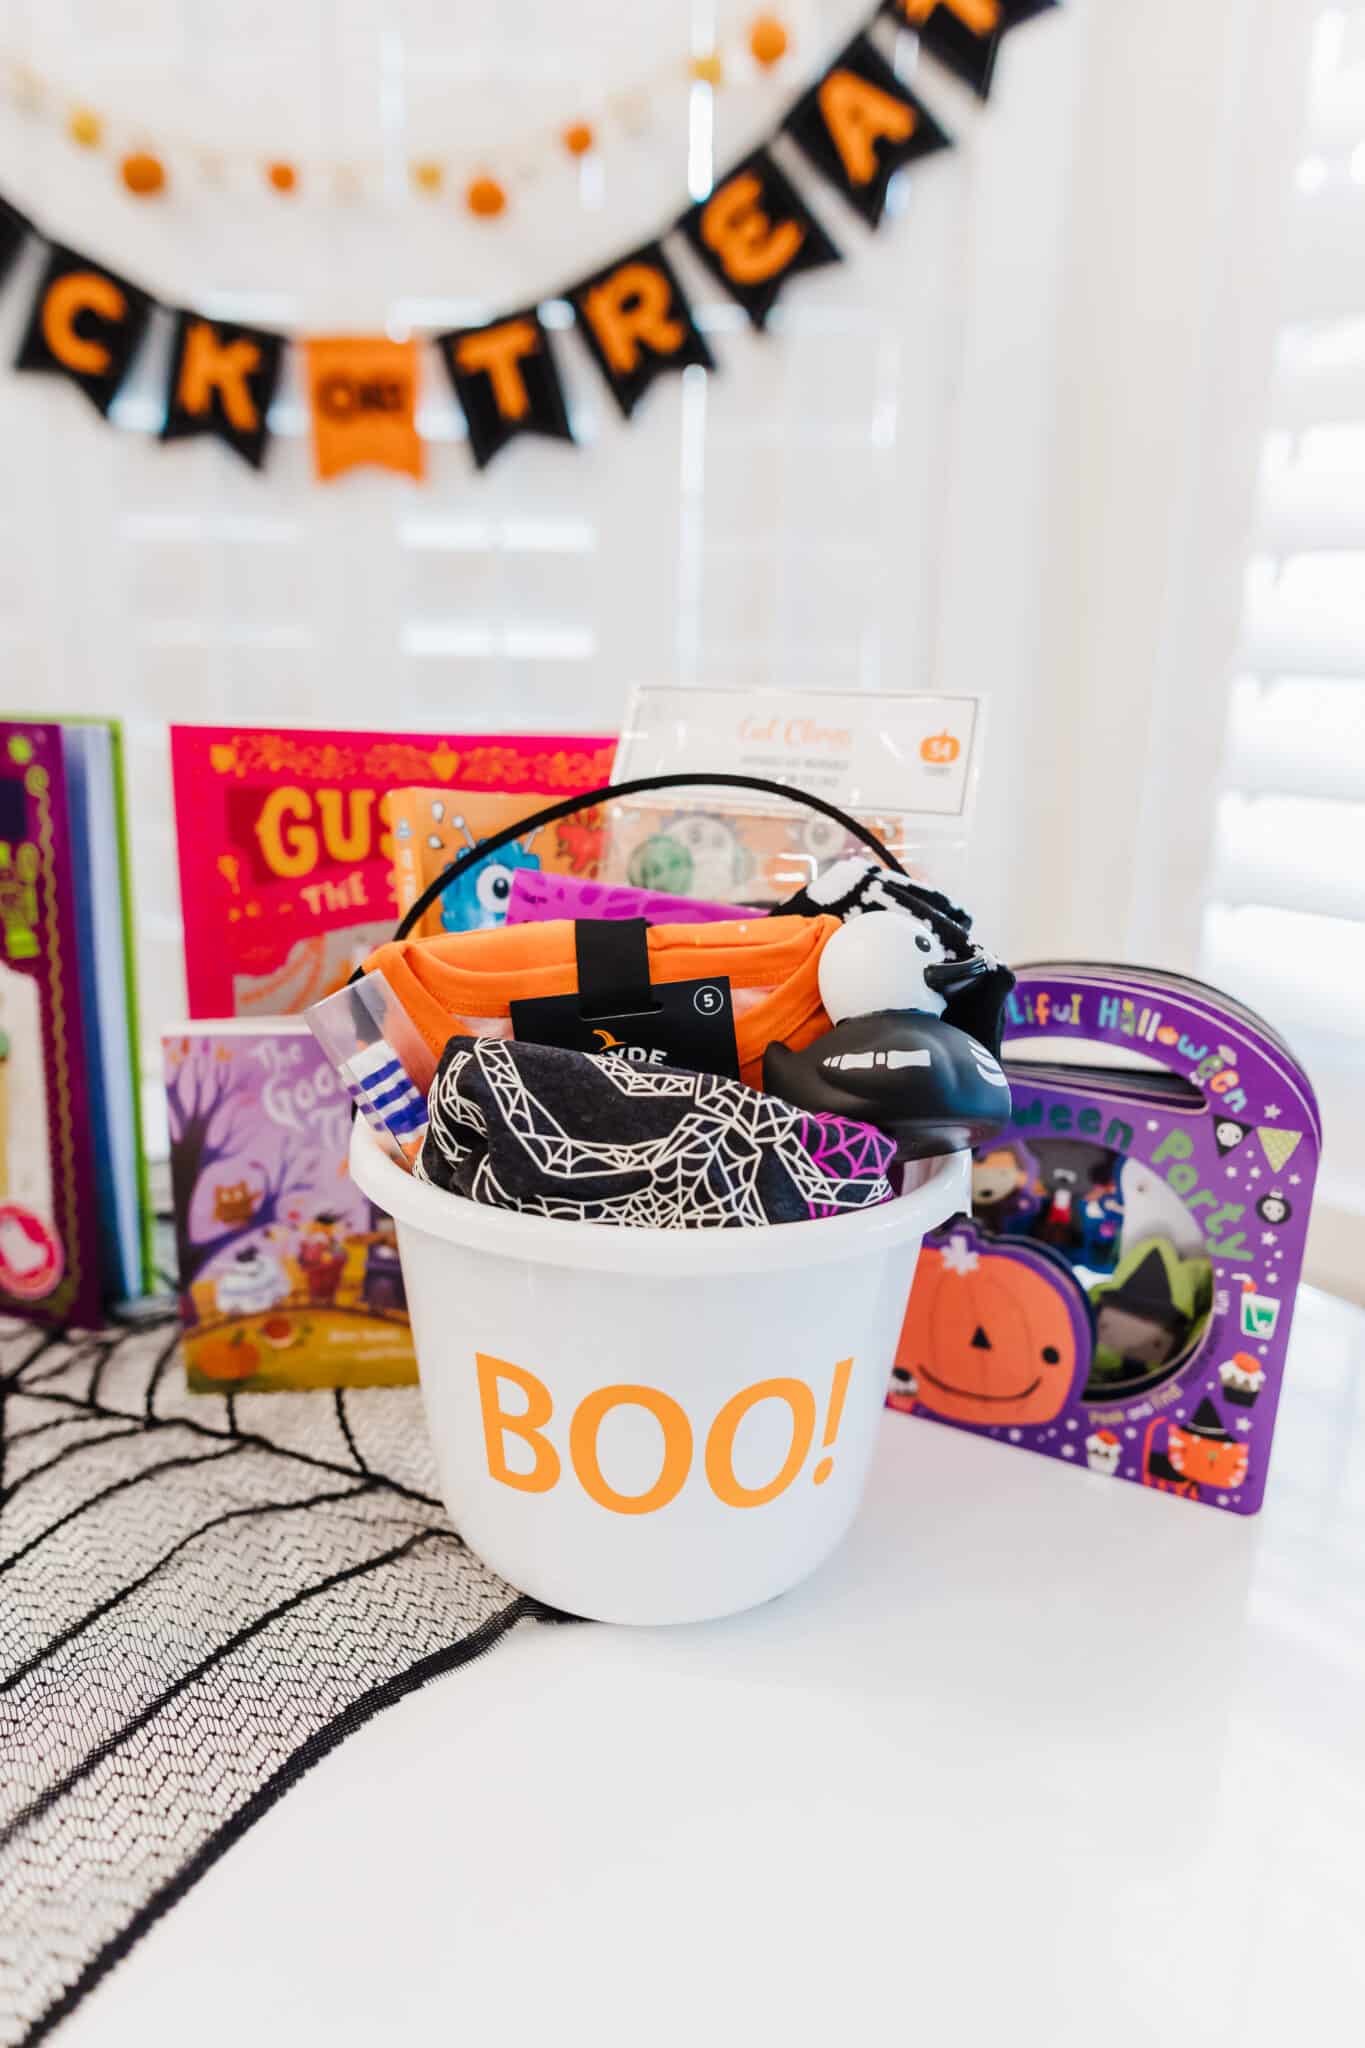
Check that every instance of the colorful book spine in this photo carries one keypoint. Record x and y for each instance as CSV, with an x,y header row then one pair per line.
x,y
53,1267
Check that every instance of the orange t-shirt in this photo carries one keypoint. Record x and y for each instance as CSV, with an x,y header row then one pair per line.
x,y
464,981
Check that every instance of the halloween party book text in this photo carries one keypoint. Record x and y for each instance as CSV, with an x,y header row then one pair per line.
x,y
1122,1296
286,858
289,1276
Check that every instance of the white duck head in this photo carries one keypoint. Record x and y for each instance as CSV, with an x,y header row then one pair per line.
x,y
877,962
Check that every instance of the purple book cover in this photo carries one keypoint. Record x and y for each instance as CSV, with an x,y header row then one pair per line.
x,y
1122,1297
49,1239
289,1275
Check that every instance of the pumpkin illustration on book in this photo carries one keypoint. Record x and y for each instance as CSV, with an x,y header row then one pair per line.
x,y
995,1332
1198,1453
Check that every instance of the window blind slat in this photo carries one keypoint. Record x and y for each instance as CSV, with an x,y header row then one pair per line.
x,y
1291,636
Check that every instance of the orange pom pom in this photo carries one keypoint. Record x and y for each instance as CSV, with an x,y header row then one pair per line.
x,y
708,69
768,39
427,175
485,197
143,173
578,138
85,127
283,177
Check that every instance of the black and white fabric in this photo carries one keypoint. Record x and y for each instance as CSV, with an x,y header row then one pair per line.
x,y
200,1597
972,982
596,1138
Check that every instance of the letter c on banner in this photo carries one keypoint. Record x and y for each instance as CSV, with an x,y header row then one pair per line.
x,y
720,1444
749,246
672,1420
66,298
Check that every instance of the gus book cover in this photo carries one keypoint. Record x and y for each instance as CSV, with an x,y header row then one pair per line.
x,y
286,856
289,1277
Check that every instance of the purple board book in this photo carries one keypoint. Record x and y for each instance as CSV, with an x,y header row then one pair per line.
x,y
1122,1297
289,1276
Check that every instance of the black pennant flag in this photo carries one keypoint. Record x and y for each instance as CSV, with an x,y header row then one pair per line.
x,y
858,125
85,324
14,228
756,231
221,382
638,324
965,35
506,381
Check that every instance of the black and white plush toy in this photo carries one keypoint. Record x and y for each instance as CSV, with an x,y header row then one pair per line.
x,y
917,1009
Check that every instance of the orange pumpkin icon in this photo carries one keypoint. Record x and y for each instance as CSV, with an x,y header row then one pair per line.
x,y
995,1332
940,748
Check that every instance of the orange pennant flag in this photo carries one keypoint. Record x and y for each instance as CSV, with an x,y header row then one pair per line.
x,y
363,394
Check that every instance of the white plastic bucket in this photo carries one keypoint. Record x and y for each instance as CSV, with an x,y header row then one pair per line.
x,y
646,1425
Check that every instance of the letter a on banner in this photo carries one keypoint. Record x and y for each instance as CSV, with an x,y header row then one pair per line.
x,y
756,231
858,125
86,324
363,396
506,381
222,381
965,35
638,324
14,228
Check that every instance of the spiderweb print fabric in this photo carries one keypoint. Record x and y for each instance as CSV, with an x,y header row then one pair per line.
x,y
597,1139
199,1598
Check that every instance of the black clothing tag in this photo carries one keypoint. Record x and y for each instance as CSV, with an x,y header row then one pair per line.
x,y
675,1023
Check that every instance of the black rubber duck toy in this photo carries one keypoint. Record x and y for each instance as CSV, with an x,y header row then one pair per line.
x,y
917,1019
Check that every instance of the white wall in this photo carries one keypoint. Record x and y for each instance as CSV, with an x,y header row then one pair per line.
x,y
858,500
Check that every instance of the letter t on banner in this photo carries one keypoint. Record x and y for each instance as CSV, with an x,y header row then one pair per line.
x,y
222,381
638,324
756,231
506,381
965,35
363,394
85,324
858,125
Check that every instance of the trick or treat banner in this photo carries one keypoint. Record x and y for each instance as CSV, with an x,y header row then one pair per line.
x,y
854,128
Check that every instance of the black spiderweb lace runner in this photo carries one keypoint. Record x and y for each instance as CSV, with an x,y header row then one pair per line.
x,y
199,1598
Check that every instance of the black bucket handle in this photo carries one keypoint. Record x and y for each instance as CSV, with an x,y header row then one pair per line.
x,y
552,813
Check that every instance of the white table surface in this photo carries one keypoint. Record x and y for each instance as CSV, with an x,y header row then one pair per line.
x,y
1039,1757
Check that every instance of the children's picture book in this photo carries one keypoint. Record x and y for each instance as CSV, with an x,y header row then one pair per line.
x,y
289,1277
1122,1296
286,856
73,1211
433,827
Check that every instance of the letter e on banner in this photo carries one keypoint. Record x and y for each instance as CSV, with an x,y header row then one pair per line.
x,y
754,232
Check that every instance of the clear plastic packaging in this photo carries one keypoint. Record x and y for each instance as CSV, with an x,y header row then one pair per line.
x,y
904,765
383,1059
